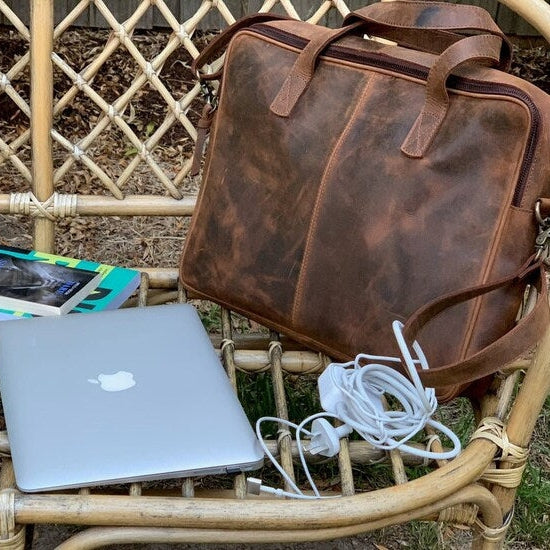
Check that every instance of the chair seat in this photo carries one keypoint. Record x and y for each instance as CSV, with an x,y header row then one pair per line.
x,y
96,149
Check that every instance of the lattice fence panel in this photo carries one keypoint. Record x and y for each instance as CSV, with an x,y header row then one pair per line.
x,y
14,102
109,148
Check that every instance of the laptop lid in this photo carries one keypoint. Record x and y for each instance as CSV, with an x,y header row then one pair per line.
x,y
119,396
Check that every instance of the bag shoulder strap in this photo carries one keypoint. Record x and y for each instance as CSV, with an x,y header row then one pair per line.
x,y
429,26
221,41
525,334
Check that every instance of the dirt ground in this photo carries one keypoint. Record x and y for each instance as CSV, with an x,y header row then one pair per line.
x,y
389,539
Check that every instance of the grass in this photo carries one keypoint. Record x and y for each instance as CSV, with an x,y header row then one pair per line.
x,y
531,525
532,516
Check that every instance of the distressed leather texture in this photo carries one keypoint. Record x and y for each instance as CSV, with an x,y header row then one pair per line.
x,y
339,199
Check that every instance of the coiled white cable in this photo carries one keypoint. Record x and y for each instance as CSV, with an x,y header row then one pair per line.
x,y
353,393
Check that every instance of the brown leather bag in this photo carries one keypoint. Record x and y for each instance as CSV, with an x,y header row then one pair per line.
x,y
349,182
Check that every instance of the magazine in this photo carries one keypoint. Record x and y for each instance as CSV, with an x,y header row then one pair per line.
x,y
116,283
43,288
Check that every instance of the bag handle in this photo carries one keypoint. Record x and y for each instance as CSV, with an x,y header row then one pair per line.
x,y
303,69
525,334
429,26
480,49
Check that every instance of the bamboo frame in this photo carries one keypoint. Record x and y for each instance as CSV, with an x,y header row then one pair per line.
x,y
536,12
194,516
42,120
91,205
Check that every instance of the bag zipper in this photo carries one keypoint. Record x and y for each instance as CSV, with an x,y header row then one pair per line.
x,y
383,61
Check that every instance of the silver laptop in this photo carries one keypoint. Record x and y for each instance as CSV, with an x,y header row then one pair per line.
x,y
119,396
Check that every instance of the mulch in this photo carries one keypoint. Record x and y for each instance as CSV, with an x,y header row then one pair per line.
x,y
150,241
533,64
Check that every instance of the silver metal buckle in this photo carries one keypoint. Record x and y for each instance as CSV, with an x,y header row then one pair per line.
x,y
209,94
542,244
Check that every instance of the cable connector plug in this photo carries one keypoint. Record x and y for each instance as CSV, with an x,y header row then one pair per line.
x,y
325,438
254,486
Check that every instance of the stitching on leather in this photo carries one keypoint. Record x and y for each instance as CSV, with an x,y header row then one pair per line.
x,y
449,7
488,265
444,5
395,24
298,79
291,91
480,17
290,332
421,134
476,25
529,182
322,188
279,106
213,139
522,209
411,146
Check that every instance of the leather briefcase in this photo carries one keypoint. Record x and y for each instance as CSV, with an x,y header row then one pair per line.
x,y
351,181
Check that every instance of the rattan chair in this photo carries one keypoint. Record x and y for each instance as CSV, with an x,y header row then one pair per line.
x,y
476,489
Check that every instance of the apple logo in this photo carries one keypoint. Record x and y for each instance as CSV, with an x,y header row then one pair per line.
x,y
118,381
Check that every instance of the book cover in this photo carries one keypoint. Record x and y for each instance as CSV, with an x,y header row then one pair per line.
x,y
117,284
43,288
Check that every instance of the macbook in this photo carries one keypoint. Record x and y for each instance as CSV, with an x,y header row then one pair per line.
x,y
119,396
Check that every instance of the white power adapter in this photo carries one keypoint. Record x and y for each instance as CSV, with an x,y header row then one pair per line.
x,y
335,390
329,384
336,396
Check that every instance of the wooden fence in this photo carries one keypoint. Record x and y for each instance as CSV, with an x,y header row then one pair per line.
x,y
183,9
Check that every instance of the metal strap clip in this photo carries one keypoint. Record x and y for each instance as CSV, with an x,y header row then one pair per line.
x,y
542,242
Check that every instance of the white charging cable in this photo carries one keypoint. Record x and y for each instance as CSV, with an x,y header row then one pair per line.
x,y
255,486
353,393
